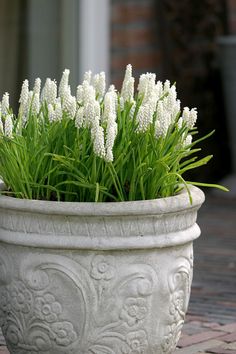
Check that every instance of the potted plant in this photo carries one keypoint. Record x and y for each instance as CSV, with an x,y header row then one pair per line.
x,y
96,219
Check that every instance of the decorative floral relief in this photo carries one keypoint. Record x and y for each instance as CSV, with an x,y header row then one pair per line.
x,y
179,286
137,342
4,304
102,267
21,298
46,308
5,267
134,310
32,322
64,333
115,304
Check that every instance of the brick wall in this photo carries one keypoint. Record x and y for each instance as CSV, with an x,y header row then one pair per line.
x,y
134,38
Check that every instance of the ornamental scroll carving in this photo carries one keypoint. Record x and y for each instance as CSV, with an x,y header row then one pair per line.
x,y
110,309
179,283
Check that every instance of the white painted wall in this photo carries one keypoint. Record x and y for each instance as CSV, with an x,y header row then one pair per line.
x,y
43,44
69,40
94,36
73,34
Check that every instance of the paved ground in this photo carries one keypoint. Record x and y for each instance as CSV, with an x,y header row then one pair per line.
x,y
211,321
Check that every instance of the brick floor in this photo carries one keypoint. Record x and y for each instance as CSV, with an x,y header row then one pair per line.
x,y
211,320
197,338
3,350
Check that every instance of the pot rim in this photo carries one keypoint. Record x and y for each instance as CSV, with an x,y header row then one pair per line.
x,y
168,205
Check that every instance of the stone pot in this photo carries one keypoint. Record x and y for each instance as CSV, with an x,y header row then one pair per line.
x,y
96,278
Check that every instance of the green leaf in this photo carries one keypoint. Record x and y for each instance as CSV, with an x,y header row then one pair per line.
x,y
211,185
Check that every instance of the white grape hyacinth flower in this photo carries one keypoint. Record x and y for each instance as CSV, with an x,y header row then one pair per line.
x,y
110,104
80,94
166,87
63,85
145,114
51,113
88,76
121,103
8,126
189,117
35,105
97,134
1,126
171,103
24,94
163,120
29,105
89,93
58,110
69,103
5,103
49,91
128,75
127,91
37,86
143,118
113,92
79,117
132,110
111,132
180,123
188,140
99,83
159,89
170,99
91,111
146,86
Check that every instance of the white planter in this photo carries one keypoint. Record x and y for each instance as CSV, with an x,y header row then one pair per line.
x,y
105,278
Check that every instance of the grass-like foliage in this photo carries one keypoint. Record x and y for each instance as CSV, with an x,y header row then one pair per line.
x,y
98,146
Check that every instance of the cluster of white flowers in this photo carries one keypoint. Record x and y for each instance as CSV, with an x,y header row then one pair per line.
x,y
149,92
58,100
94,108
6,117
159,104
167,109
161,107
101,119
189,118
